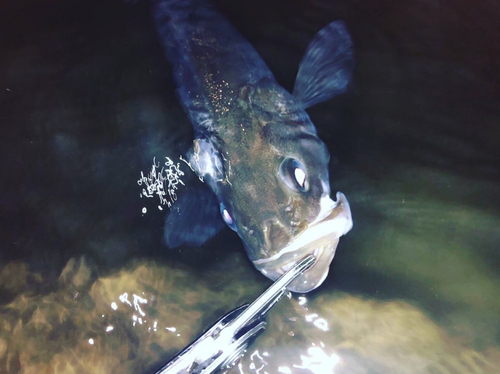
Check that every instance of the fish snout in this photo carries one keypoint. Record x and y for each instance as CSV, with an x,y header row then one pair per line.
x,y
319,239
341,215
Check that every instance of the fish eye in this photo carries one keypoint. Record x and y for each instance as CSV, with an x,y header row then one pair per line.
x,y
293,173
228,219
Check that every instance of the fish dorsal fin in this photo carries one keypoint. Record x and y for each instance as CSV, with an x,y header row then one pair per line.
x,y
326,68
194,219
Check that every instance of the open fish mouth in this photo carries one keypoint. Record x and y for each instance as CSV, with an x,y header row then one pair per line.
x,y
320,239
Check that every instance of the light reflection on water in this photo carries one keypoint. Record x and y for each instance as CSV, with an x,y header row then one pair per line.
x,y
314,360
128,321
358,335
138,317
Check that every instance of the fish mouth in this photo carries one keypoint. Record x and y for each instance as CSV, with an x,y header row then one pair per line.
x,y
320,239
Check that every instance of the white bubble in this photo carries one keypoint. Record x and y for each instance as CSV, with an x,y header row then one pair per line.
x,y
91,341
144,210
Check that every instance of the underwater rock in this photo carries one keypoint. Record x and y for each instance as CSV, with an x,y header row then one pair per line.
x,y
126,322
76,273
137,318
15,278
343,333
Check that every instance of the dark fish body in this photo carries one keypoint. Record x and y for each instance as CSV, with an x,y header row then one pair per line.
x,y
255,146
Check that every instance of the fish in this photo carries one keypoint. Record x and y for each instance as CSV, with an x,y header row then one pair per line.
x,y
264,168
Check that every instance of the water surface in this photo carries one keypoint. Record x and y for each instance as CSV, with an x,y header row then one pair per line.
x,y
87,101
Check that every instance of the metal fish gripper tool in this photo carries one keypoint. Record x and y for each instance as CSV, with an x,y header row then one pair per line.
x,y
223,344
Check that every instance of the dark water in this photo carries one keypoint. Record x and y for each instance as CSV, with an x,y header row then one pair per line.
x,y
87,101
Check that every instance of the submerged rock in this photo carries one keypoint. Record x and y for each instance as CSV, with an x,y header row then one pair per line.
x,y
343,333
137,318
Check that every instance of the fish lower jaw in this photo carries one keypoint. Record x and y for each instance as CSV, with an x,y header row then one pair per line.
x,y
313,277
316,235
283,269
319,239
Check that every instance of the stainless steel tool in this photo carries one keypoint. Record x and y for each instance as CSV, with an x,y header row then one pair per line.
x,y
220,347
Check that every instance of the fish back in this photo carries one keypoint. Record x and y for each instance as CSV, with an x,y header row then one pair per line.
x,y
210,59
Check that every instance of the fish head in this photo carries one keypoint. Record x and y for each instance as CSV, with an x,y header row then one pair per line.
x,y
277,192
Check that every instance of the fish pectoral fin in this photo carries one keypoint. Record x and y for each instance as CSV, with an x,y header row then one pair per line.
x,y
326,68
206,160
194,219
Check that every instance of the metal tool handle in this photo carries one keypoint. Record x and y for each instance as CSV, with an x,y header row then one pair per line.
x,y
223,343
270,297
183,361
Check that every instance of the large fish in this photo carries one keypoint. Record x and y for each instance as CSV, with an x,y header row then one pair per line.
x,y
255,146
